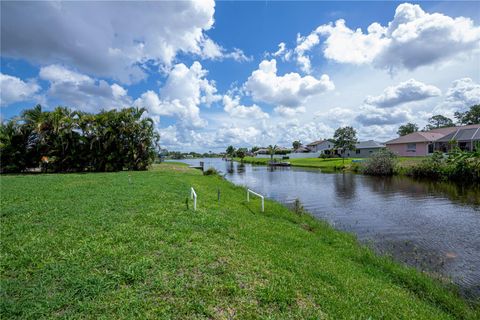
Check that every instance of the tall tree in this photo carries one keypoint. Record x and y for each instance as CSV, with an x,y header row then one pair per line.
x,y
230,151
254,148
272,150
471,116
439,121
241,153
296,144
345,139
408,128
68,140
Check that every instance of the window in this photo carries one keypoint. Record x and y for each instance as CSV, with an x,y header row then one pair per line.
x,y
463,146
411,147
357,151
430,148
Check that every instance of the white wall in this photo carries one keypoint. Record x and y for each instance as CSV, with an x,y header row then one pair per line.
x,y
303,155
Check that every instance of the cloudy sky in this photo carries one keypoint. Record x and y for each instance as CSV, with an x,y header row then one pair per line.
x,y
245,73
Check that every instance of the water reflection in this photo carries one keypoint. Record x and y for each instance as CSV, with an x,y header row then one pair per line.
x,y
344,186
430,225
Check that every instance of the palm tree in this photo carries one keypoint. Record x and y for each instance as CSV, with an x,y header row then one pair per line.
x,y
271,151
72,141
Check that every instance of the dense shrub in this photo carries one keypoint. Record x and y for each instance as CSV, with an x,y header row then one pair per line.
x,y
432,167
326,156
65,140
463,166
381,163
356,167
210,172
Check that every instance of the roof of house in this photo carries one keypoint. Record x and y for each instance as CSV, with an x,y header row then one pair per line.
x,y
369,144
262,150
463,134
314,143
419,136
267,151
428,136
301,149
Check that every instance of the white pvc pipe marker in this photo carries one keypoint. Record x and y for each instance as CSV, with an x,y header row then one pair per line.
x,y
258,195
193,195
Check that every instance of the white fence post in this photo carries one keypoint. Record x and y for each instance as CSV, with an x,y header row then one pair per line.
x,y
258,195
193,195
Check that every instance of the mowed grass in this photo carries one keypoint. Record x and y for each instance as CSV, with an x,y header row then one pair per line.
x,y
124,245
329,164
304,162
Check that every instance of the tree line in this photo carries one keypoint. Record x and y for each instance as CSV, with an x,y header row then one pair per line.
x,y
66,140
471,116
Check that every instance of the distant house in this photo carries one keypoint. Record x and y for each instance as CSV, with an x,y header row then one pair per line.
x,y
424,143
364,149
321,146
265,153
261,151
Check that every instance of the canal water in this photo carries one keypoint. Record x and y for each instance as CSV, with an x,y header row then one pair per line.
x,y
432,226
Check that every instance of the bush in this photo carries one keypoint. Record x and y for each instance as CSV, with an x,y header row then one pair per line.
x,y
463,166
382,163
297,207
355,167
433,167
210,172
326,156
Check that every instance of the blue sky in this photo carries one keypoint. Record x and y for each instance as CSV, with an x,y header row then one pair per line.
x,y
211,74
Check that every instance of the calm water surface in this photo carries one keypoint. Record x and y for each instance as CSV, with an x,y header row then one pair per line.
x,y
432,226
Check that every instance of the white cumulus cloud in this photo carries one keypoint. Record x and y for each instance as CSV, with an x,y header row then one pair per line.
x,y
460,96
369,115
412,39
82,92
233,107
463,93
118,42
13,89
407,91
181,96
290,90
305,44
288,111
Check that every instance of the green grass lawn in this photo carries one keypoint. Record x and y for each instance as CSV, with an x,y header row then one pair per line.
x,y
124,245
328,163
305,162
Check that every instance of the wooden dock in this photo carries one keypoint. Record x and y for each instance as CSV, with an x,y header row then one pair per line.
x,y
200,167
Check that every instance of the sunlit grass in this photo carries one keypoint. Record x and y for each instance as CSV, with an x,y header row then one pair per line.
x,y
304,162
124,245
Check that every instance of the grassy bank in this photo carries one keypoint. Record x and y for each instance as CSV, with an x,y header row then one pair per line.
x,y
124,245
306,162
328,164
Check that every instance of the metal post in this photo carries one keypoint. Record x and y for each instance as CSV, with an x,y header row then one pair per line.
x,y
193,195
